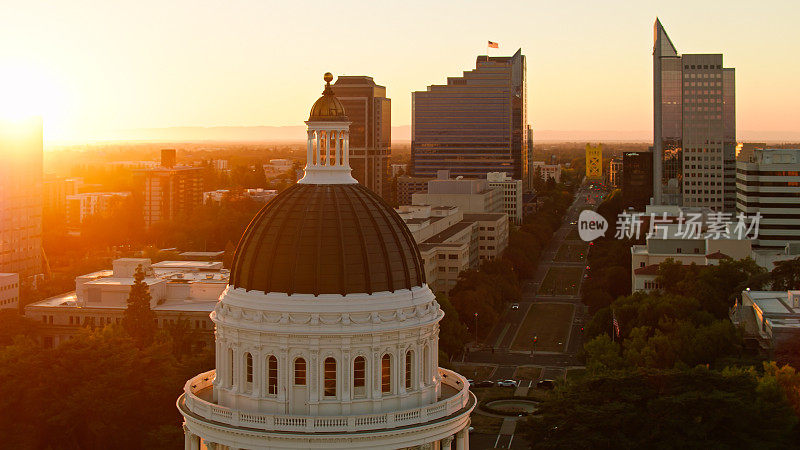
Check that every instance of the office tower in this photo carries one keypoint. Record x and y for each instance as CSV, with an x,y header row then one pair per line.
x,y
637,179
475,124
594,162
169,191
694,115
615,172
55,191
769,184
370,114
21,197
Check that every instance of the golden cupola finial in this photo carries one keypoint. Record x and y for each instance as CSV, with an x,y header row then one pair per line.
x,y
328,107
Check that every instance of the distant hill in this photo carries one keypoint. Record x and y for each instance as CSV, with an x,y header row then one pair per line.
x,y
401,133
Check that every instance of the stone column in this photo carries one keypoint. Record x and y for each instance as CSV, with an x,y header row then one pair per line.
x,y
462,438
338,161
447,443
347,148
318,153
195,442
310,149
328,148
187,438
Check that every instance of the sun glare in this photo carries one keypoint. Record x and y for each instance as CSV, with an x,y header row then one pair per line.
x,y
26,92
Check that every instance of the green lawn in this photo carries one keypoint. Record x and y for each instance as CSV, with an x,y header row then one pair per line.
x,y
561,281
571,252
550,322
527,373
475,372
486,424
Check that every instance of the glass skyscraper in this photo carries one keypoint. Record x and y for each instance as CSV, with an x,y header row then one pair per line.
x,y
475,124
694,113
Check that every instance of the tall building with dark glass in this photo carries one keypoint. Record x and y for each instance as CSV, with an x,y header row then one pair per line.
x,y
370,115
694,130
475,124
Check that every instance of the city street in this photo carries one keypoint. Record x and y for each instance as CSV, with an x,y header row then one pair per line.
x,y
497,349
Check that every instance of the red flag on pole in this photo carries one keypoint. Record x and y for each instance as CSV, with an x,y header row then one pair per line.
x,y
493,44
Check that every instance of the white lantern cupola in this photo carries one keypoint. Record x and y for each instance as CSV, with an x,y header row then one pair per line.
x,y
328,146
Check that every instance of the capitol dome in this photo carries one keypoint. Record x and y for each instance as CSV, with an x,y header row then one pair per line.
x,y
327,336
327,239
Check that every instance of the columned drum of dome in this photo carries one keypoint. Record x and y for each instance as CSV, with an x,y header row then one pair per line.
x,y
327,239
327,335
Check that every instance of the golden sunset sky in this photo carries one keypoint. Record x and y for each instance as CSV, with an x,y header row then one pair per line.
x,y
92,67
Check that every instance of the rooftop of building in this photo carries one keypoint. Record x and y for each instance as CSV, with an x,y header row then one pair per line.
x,y
448,233
483,217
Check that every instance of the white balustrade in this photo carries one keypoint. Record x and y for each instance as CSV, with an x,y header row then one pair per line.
x,y
276,422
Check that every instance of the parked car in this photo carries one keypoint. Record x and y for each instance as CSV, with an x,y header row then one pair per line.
x,y
483,384
515,306
546,384
507,383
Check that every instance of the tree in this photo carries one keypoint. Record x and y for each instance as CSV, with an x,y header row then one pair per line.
x,y
12,324
786,275
139,319
97,391
696,408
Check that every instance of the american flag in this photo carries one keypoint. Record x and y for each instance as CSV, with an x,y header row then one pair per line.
x,y
493,44
615,323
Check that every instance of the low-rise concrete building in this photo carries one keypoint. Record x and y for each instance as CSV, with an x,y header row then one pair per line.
x,y
182,293
772,318
469,195
512,194
670,243
451,242
79,207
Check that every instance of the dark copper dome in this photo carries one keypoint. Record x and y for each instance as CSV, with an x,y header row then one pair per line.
x,y
327,239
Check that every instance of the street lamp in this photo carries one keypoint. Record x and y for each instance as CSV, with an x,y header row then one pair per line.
x,y
476,330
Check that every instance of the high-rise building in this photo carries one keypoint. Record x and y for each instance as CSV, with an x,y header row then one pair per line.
x,y
637,179
769,184
21,197
327,334
475,124
170,191
370,114
55,191
694,139
615,172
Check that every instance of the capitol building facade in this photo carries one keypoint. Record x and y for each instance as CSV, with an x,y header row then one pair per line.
x,y
327,335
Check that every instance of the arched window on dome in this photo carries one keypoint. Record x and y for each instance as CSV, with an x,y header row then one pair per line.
x,y
330,377
386,374
248,364
229,377
359,376
299,372
272,375
409,369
